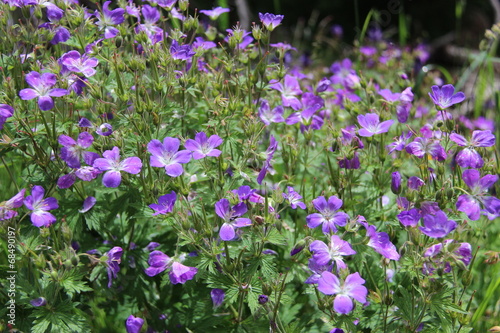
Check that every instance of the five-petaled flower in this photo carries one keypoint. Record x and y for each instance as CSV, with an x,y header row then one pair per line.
x,y
323,253
352,287
203,147
40,217
231,217
41,87
445,96
7,207
469,157
328,214
112,165
471,203
168,156
270,21
178,273
371,124
165,204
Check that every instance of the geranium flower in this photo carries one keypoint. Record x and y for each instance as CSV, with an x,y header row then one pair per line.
x,y
114,259
41,87
379,241
289,89
471,203
214,13
269,116
72,151
203,147
328,214
445,96
7,207
469,157
178,273
165,204
6,111
270,21
337,248
231,217
293,198
77,63
40,217
134,324
352,287
273,145
151,16
371,124
437,225
112,165
421,146
108,18
168,156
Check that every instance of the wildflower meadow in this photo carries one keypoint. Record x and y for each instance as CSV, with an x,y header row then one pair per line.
x,y
162,172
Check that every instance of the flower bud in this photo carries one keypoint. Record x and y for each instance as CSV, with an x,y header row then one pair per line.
x,y
298,247
263,299
183,5
396,183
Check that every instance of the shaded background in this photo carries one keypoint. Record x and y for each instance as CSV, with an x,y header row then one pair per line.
x,y
435,22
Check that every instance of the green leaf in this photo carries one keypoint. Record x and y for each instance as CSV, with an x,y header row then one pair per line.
x,y
72,282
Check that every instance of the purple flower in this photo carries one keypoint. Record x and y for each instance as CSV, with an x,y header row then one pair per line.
x,y
217,296
471,203
269,116
40,217
112,165
6,111
289,89
108,18
273,145
469,157
203,147
421,146
352,163
323,253
380,241
151,246
437,225
372,125
104,129
245,193
293,198
214,13
41,87
180,273
396,182
134,324
409,218
404,107
7,207
78,63
388,95
263,299
323,85
317,271
414,183
352,287
114,259
445,96
328,215
231,217
400,143
270,21
165,204
151,16
88,203
40,301
167,156
72,151
159,262
181,52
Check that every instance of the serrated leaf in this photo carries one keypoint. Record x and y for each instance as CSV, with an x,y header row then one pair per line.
x,y
72,283
275,237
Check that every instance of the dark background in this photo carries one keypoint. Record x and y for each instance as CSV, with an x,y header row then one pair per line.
x,y
427,20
